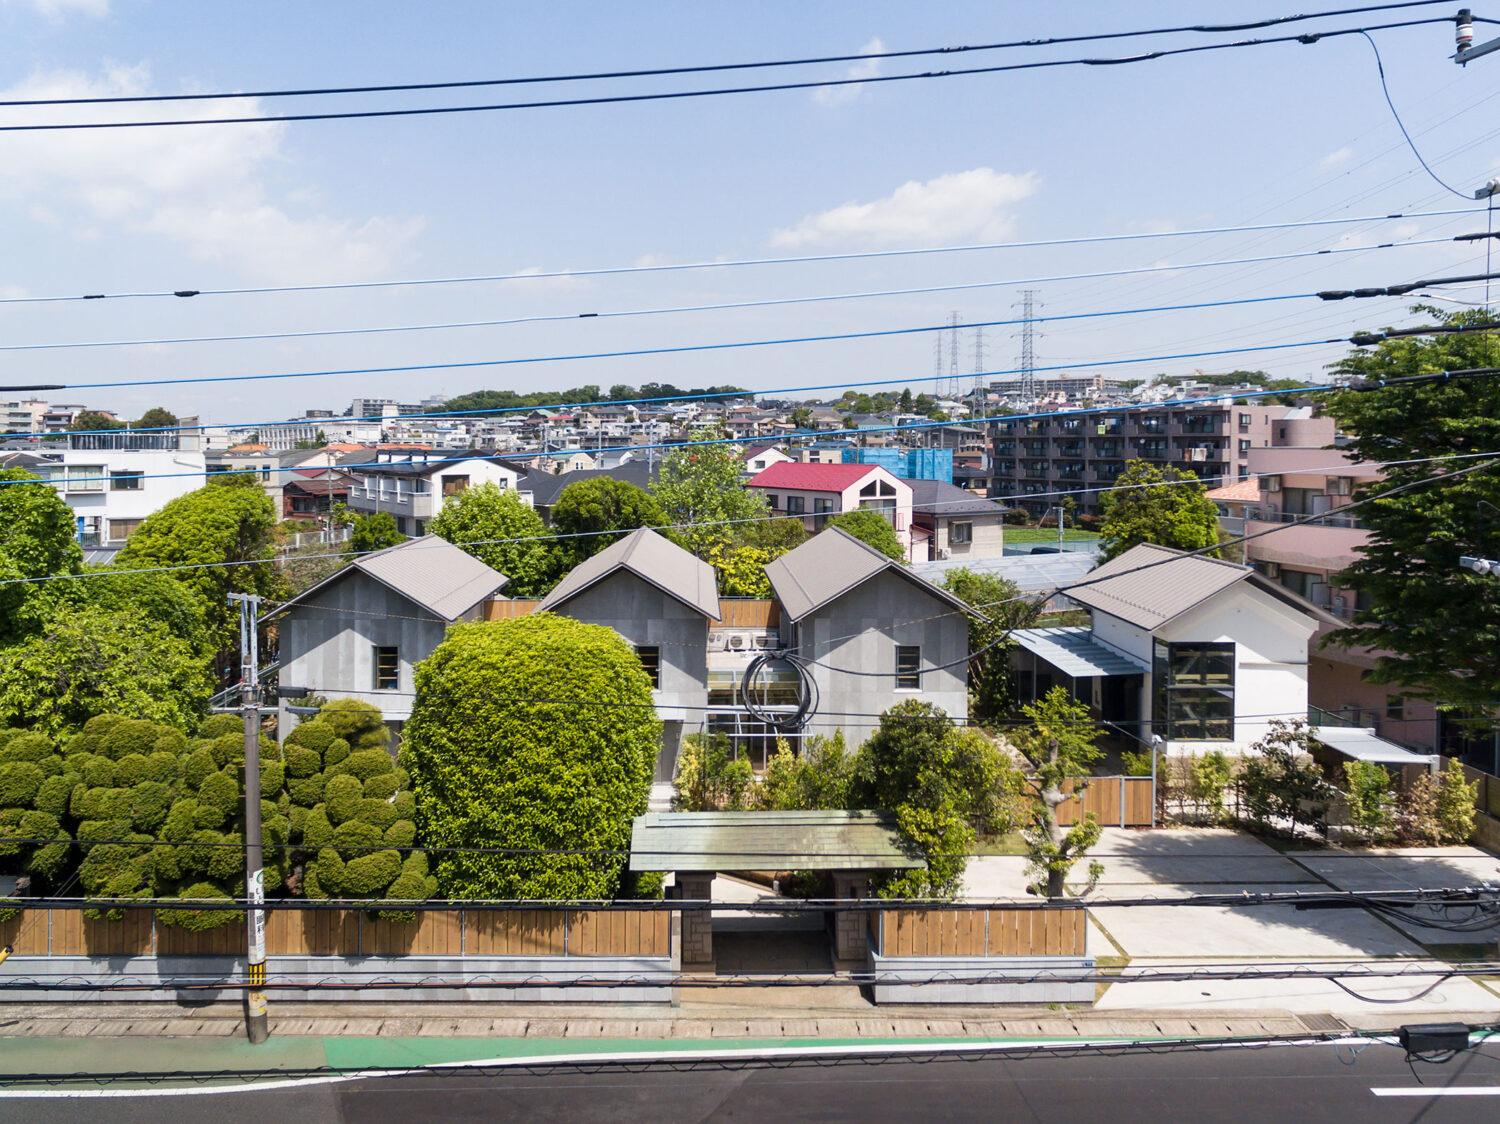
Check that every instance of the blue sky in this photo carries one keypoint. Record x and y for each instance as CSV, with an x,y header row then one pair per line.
x,y
1282,133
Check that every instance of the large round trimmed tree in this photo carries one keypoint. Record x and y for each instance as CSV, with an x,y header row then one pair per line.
x,y
531,735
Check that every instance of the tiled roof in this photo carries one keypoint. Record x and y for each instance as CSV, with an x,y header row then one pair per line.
x,y
1241,491
812,477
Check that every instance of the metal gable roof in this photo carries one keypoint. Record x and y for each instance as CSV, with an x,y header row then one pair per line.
x,y
1149,585
651,558
814,840
430,572
829,565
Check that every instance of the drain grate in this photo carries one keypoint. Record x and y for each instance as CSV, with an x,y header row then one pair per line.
x,y
1322,1023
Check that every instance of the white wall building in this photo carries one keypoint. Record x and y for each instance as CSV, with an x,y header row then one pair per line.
x,y
1200,652
413,486
110,491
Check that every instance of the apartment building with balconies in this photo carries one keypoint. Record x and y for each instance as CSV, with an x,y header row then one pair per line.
x,y
1035,461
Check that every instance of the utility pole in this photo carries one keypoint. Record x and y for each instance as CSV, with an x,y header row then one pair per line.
x,y
256,1028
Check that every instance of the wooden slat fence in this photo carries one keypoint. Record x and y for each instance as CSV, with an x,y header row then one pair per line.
x,y
978,932
438,933
1103,797
1488,798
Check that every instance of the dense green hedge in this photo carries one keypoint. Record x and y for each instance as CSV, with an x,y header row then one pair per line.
x,y
347,795
539,734
134,784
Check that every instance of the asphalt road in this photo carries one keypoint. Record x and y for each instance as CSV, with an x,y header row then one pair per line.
x,y
1278,1084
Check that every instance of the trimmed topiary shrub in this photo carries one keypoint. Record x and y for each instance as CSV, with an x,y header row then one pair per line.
x,y
494,764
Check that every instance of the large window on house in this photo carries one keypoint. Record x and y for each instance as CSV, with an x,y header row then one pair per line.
x,y
1193,691
453,485
387,669
908,667
795,505
86,478
822,511
650,657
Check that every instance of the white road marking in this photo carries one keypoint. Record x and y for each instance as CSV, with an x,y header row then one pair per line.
x,y
1439,1091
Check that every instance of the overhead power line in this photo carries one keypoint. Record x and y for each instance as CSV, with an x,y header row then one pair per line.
x,y
711,68
800,259
684,349
680,95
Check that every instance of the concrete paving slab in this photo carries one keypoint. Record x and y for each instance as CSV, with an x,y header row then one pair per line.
x,y
1413,869
1300,996
1277,931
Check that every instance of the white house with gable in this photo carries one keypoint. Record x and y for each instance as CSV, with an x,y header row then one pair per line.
x,y
1197,651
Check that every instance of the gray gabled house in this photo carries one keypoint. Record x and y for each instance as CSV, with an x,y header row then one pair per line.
x,y
358,633
660,599
871,631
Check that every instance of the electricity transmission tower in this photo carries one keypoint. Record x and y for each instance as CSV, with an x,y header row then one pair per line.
x,y
1026,362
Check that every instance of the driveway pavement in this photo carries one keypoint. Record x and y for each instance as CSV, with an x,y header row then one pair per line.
x,y
1179,862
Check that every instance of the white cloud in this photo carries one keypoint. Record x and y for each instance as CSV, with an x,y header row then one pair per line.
x,y
868,68
973,204
203,187
56,10
1336,159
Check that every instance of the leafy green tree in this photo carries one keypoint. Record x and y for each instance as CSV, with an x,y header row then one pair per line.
x,y
802,417
222,535
906,400
1165,506
158,597
503,755
503,533
1437,623
1371,804
1455,804
375,531
37,540
158,417
699,491
592,514
999,609
1281,786
94,661
1062,743
937,780
871,528
88,421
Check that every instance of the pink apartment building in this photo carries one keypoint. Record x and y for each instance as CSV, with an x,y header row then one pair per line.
x,y
1301,474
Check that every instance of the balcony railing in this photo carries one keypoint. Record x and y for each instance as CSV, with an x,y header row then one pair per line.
x,y
1327,519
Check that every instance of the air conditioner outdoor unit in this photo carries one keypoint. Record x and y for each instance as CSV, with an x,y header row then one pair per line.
x,y
736,642
765,643
715,641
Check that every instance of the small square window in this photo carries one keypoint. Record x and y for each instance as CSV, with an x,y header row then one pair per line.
x,y
650,657
961,532
908,667
387,669
128,480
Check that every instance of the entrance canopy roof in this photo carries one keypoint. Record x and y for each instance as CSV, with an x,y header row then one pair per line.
x,y
1074,652
1362,745
713,841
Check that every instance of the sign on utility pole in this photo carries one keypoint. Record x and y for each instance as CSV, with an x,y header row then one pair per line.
x,y
256,1028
